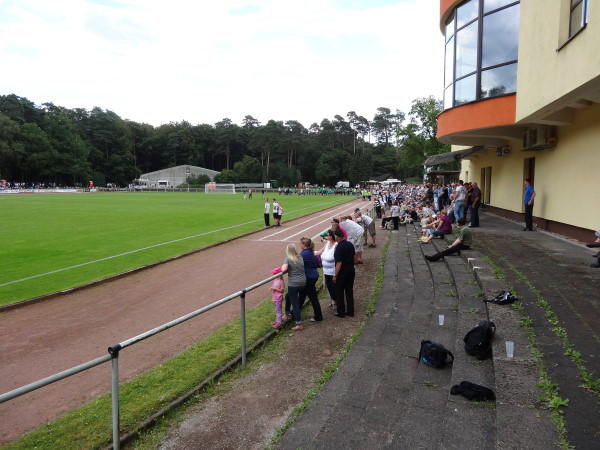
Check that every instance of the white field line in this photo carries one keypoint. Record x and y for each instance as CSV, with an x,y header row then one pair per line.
x,y
134,251
328,213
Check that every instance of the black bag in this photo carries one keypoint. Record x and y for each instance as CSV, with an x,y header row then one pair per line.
x,y
478,341
473,391
434,354
503,298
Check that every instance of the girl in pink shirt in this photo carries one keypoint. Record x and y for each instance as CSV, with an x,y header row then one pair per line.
x,y
277,290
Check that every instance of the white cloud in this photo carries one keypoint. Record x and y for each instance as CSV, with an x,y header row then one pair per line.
x,y
156,61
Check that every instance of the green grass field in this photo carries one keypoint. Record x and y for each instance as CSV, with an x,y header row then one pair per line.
x,y
52,242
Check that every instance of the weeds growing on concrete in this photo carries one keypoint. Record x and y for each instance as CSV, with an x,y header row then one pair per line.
x,y
550,397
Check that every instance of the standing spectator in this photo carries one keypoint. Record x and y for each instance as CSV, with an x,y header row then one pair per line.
x,y
335,225
277,290
475,204
378,207
312,275
267,212
460,198
294,265
343,276
528,201
395,214
328,261
355,237
276,213
369,225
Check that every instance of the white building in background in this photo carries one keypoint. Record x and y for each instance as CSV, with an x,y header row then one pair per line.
x,y
173,176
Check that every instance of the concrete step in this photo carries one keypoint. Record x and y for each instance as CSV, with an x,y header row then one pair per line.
x,y
381,397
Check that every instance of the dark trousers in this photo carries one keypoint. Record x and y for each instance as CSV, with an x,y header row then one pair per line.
x,y
330,286
529,217
395,220
310,290
267,220
449,251
344,293
474,214
292,302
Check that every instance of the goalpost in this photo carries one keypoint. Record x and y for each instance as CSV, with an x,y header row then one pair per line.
x,y
216,188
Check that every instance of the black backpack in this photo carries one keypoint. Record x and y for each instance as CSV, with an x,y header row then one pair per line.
x,y
434,354
478,341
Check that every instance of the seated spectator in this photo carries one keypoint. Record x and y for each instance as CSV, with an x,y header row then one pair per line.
x,y
441,227
595,244
462,242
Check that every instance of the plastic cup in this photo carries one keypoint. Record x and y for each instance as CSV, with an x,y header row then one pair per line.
x,y
441,319
510,349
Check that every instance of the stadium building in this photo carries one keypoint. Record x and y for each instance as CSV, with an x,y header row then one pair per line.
x,y
522,100
173,176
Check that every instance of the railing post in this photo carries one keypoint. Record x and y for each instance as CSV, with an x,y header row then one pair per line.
x,y
243,322
114,352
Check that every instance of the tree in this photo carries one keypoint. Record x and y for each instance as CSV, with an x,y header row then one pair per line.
x,y
330,167
197,181
72,166
267,140
419,137
226,176
248,170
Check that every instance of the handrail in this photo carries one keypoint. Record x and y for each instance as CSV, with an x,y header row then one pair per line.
x,y
114,350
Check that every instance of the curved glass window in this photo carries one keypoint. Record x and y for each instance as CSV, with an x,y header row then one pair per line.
x,y
466,50
465,90
449,29
499,81
466,12
490,5
500,37
449,69
482,42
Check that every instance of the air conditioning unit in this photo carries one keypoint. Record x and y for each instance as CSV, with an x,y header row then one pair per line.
x,y
503,151
539,138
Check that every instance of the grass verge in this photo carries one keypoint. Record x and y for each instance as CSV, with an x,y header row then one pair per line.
x,y
90,426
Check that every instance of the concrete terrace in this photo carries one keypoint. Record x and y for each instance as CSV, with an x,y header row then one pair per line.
x,y
381,397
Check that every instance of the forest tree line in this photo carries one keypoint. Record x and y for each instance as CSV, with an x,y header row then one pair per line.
x,y
59,146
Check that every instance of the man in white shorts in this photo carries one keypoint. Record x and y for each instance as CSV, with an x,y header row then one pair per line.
x,y
369,225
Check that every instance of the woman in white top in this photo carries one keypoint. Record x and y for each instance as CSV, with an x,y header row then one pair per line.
x,y
328,262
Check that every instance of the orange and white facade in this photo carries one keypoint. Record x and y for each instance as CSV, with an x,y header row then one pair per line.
x,y
522,85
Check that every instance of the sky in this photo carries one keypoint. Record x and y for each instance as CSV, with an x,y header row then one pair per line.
x,y
161,61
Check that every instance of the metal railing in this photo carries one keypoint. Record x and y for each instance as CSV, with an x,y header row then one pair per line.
x,y
114,350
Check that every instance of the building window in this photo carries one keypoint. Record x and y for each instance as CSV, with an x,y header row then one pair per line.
x,y
578,17
482,41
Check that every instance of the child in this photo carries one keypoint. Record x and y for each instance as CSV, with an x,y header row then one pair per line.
x,y
277,289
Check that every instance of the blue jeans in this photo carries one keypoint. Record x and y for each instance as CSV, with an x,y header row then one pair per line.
x,y
459,210
292,297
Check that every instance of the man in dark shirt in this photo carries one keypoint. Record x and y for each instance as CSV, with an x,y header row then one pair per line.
x,y
343,277
475,197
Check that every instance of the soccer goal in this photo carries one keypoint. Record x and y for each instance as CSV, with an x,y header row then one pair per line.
x,y
216,188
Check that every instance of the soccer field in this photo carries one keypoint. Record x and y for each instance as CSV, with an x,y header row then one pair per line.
x,y
52,242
